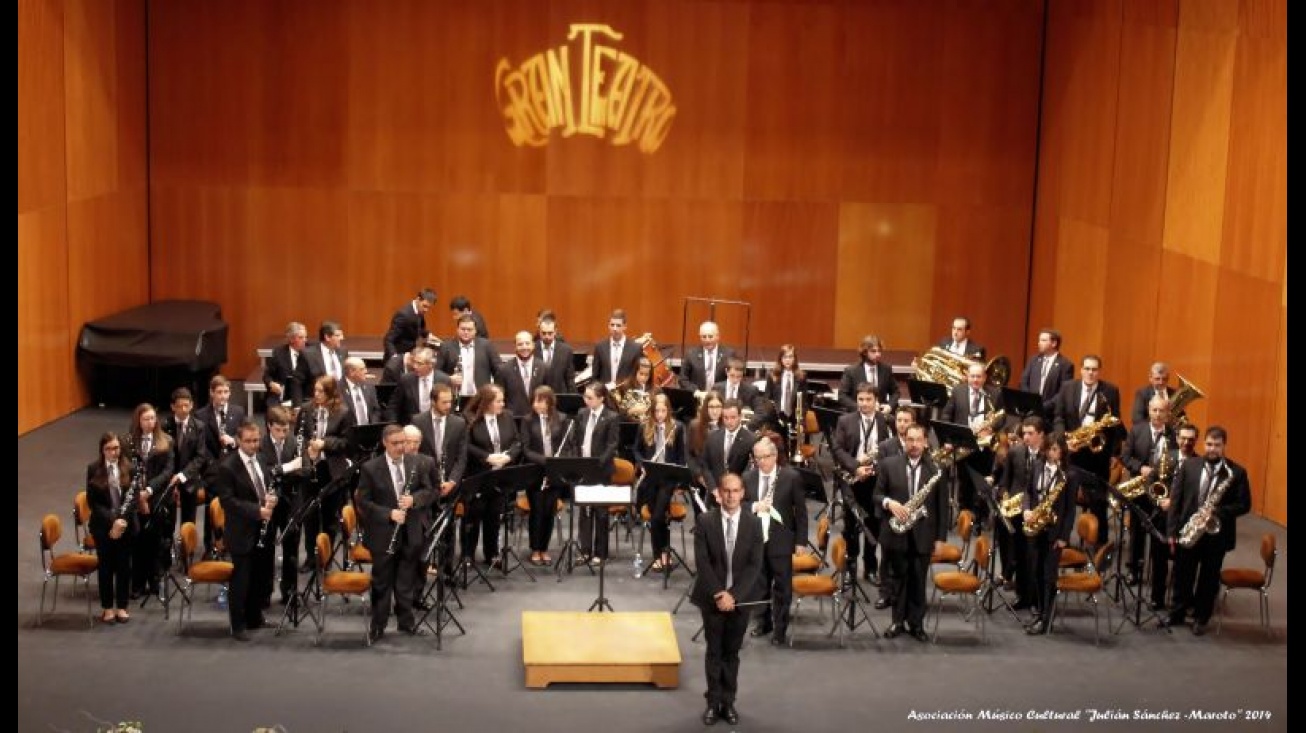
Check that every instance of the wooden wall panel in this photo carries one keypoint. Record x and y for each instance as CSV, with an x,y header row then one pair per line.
x,y
885,252
1199,147
108,261
788,255
42,174
1275,488
47,385
1142,137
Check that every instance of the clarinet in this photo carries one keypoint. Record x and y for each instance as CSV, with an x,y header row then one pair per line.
x,y
399,526
133,488
273,491
562,446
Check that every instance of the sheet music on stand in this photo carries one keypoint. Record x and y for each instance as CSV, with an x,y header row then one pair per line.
x,y
601,495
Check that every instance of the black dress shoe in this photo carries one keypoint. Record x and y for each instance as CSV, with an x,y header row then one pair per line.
x,y
1021,605
710,716
1037,628
762,630
240,635
1199,628
256,624
882,603
893,631
413,630
919,634
729,714
778,640
375,635
872,578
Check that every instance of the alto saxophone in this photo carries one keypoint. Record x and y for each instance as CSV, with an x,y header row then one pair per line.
x,y
1011,505
915,505
1205,521
870,459
1044,515
1090,436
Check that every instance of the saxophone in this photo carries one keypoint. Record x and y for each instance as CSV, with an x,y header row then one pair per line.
x,y
1043,515
1011,505
870,459
1090,436
991,423
915,506
1204,520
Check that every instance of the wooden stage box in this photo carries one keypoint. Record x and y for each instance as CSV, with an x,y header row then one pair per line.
x,y
600,647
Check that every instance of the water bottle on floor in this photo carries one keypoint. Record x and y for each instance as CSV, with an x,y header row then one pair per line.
x,y
639,565
222,596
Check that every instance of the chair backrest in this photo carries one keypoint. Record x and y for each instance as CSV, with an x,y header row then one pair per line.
x,y
965,522
1086,528
81,508
1269,549
811,425
823,533
1103,556
51,531
623,472
189,541
216,514
323,551
980,561
349,519
838,555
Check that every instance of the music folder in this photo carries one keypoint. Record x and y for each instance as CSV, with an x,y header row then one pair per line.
x,y
601,495
683,403
669,473
1021,403
930,394
574,470
960,436
827,418
511,478
570,403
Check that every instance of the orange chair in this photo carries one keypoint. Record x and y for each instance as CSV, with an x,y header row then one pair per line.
x,y
950,554
1087,583
218,518
966,583
623,474
54,566
358,554
341,583
1251,579
1086,529
829,585
210,572
813,561
81,518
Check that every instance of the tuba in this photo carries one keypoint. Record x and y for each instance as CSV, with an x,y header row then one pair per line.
x,y
1181,398
941,366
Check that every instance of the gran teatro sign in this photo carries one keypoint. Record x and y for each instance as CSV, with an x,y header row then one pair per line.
x,y
584,87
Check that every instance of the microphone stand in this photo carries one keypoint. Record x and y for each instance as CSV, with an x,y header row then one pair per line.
x,y
437,552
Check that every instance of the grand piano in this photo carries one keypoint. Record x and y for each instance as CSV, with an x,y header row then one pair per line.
x,y
144,353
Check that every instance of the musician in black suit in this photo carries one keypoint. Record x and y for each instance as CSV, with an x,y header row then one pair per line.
x,y
108,488
775,494
1082,402
444,439
278,451
705,365
661,440
242,485
220,418
396,367
1158,385
974,404
393,491
520,376
596,435
1047,370
544,433
408,324
493,442
897,480
556,356
328,355
285,373
617,347
324,423
1044,548
784,383
959,341
1141,454
869,370
460,306
1196,484
702,427
359,395
735,387
854,447
728,574
471,362
191,457
152,449
412,395
1019,470
717,459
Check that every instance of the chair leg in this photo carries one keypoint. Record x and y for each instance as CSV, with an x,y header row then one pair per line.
x,y
1097,628
90,620
321,618
1219,611
1265,613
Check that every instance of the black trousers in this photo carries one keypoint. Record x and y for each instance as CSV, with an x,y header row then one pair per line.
x,y
724,636
1044,561
251,586
483,513
1014,548
1201,562
114,573
659,530
778,585
853,536
593,528
913,569
543,503
394,582
286,507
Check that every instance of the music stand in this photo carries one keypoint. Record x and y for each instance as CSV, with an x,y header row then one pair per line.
x,y
675,475
297,605
364,440
828,419
990,590
1122,585
930,394
960,437
684,405
384,391
569,403
814,488
508,478
435,550
601,497
852,614
1022,404
570,472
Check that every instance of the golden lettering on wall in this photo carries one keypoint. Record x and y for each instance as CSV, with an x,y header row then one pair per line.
x,y
588,88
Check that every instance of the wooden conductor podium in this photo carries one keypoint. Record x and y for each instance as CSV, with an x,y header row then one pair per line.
x,y
577,646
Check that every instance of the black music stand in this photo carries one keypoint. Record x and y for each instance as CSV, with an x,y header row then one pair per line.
x,y
601,602
1022,404
990,590
959,437
814,488
435,552
930,394
364,440
627,434
675,475
384,391
505,481
163,505
1135,590
568,471
828,419
684,405
570,403
297,605
852,615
